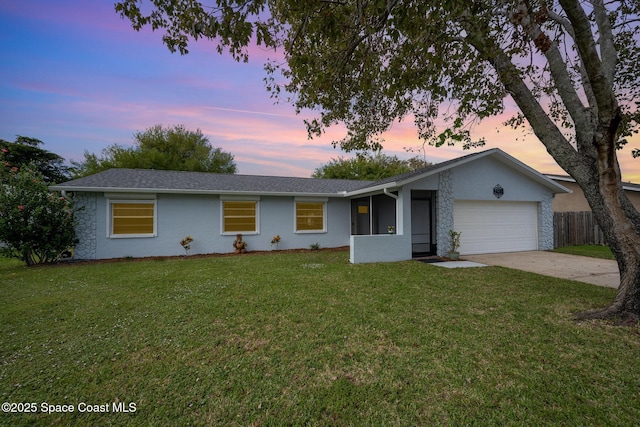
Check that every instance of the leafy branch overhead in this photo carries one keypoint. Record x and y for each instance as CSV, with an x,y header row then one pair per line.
x,y
370,63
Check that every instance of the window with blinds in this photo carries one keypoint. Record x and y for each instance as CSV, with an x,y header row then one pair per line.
x,y
239,216
310,216
136,218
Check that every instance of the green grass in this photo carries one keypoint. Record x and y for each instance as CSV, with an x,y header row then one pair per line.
x,y
308,339
594,251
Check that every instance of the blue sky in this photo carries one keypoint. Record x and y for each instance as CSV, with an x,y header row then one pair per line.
x,y
79,78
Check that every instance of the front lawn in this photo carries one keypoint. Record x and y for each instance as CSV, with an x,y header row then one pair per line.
x,y
594,251
309,339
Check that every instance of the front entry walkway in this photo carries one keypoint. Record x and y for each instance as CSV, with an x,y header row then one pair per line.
x,y
601,272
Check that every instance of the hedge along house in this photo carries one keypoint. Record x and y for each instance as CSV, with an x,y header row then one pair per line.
x,y
498,204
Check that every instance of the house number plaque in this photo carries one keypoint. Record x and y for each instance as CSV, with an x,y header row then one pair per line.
x,y
498,191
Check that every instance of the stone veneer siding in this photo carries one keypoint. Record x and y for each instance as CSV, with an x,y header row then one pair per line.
x,y
86,225
545,223
445,212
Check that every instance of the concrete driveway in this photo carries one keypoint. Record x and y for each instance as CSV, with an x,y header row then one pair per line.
x,y
601,272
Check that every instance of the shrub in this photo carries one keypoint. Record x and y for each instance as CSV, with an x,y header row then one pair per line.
x,y
36,225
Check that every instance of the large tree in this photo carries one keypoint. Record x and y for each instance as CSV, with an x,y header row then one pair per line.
x,y
170,148
26,151
570,66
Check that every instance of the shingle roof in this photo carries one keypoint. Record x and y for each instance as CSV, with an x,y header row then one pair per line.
x,y
140,180
160,181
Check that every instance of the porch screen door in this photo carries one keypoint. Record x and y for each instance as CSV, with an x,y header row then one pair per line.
x,y
420,222
361,216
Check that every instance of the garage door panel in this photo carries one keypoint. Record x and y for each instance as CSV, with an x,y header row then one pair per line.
x,y
492,227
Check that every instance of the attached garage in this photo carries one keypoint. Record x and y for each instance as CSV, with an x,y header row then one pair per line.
x,y
498,203
496,226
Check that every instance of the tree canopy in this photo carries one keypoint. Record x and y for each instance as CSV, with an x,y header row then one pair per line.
x,y
570,67
170,148
26,151
369,63
367,166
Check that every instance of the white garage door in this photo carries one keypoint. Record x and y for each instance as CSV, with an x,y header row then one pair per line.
x,y
492,227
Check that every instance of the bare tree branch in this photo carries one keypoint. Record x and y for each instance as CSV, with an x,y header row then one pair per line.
x,y
602,87
563,82
607,46
541,123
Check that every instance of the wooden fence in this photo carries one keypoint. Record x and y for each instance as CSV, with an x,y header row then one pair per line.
x,y
576,228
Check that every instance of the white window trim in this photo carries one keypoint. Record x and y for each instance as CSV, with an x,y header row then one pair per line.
x,y
127,200
239,199
310,200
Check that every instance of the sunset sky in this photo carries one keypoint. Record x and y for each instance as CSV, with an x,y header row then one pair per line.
x,y
77,77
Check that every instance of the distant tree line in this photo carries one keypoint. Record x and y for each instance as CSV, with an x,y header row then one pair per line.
x,y
162,148
368,166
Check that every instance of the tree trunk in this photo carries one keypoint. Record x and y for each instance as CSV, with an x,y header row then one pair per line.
x,y
594,166
620,223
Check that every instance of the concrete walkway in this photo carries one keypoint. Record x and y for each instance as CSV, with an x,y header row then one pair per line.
x,y
601,272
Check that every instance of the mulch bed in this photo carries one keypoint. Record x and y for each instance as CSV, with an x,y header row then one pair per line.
x,y
195,256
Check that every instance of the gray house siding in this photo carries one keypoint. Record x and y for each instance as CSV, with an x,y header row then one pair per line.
x,y
476,180
200,217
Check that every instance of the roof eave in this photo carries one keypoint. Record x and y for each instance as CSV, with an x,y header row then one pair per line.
x,y
191,191
374,189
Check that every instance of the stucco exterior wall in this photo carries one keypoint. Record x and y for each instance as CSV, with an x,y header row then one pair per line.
x,y
476,181
634,198
379,248
200,217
